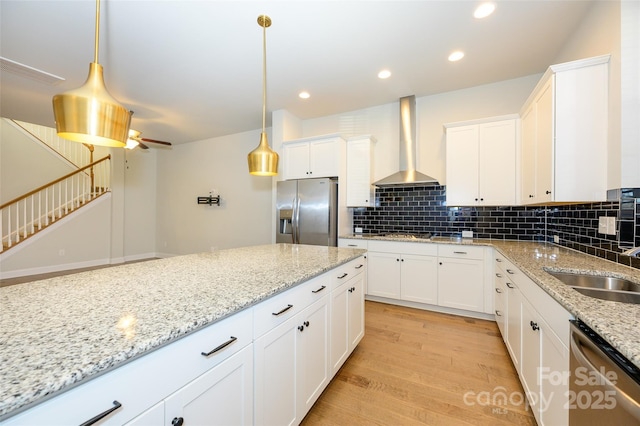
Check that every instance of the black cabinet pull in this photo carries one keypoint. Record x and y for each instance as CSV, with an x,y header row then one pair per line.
x,y
352,289
498,290
306,323
510,285
510,271
219,348
352,245
102,415
498,275
530,196
319,290
548,192
282,311
534,325
301,327
498,260
459,252
177,421
498,314
359,266
342,276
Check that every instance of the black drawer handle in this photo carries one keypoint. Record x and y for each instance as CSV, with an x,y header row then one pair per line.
x,y
282,311
510,285
498,260
352,245
102,415
342,276
459,252
510,271
498,314
359,266
177,421
319,290
498,290
534,325
498,275
219,348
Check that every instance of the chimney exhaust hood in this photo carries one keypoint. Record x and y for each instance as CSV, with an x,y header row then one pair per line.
x,y
407,174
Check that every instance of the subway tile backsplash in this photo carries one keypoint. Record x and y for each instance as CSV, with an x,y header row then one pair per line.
x,y
423,209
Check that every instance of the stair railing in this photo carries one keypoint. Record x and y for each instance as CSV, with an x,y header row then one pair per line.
x,y
37,209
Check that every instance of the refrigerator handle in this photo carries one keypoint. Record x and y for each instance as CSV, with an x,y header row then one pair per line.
x,y
294,222
296,213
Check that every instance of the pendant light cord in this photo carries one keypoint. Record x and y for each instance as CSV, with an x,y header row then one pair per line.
x,y
264,76
95,55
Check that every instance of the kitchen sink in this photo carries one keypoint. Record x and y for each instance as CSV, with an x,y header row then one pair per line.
x,y
601,287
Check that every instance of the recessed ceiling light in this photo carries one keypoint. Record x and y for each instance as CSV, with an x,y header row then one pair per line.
x,y
384,74
304,95
484,10
456,56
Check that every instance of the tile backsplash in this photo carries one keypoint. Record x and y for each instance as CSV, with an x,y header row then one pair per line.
x,y
423,209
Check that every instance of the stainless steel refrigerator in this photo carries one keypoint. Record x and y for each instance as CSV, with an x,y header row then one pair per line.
x,y
307,212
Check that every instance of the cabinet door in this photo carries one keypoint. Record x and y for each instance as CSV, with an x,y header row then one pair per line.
x,y
419,278
324,158
340,305
544,144
312,356
356,311
462,166
360,192
296,160
275,375
221,396
497,163
461,284
554,362
530,363
383,277
514,321
528,156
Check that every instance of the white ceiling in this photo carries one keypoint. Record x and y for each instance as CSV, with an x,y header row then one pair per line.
x,y
192,70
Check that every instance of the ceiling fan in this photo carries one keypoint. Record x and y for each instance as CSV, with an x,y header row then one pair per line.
x,y
135,140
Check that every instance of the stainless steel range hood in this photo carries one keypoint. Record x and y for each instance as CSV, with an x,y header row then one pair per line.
x,y
407,174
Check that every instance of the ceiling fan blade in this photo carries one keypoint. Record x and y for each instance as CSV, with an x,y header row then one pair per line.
x,y
155,141
141,145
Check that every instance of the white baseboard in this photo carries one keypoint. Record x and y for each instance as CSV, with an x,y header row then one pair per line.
x,y
434,308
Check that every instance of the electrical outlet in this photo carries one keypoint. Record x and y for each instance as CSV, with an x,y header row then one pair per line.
x,y
467,234
358,230
611,225
602,225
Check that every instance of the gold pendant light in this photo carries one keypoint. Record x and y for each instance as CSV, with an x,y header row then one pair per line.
x,y
89,114
263,161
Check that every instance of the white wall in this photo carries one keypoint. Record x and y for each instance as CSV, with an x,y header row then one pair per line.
x,y
193,169
505,97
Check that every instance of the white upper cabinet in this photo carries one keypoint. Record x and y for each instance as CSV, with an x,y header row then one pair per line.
x,y
360,191
564,134
314,157
481,162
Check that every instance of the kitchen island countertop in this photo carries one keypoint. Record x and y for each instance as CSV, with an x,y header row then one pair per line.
x,y
616,322
57,332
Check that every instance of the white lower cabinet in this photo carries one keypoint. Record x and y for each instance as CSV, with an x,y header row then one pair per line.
x,y
222,396
404,271
537,337
461,277
347,313
292,366
153,416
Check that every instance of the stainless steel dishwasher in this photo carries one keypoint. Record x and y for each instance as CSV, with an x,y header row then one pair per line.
x,y
604,386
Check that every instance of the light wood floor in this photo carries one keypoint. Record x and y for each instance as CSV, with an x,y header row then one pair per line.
x,y
415,367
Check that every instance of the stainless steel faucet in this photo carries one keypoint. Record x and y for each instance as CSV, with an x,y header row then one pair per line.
x,y
632,252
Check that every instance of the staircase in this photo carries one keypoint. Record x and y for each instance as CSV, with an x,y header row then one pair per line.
x,y
28,214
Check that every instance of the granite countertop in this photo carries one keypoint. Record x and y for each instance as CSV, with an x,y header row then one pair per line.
x,y
616,322
60,331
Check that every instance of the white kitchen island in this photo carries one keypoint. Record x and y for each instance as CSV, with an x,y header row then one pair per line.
x,y
69,344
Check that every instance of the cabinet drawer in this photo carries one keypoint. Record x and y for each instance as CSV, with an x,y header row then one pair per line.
x,y
141,383
281,307
461,251
426,249
353,243
345,272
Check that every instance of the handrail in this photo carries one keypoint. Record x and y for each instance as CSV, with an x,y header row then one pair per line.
x,y
28,194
